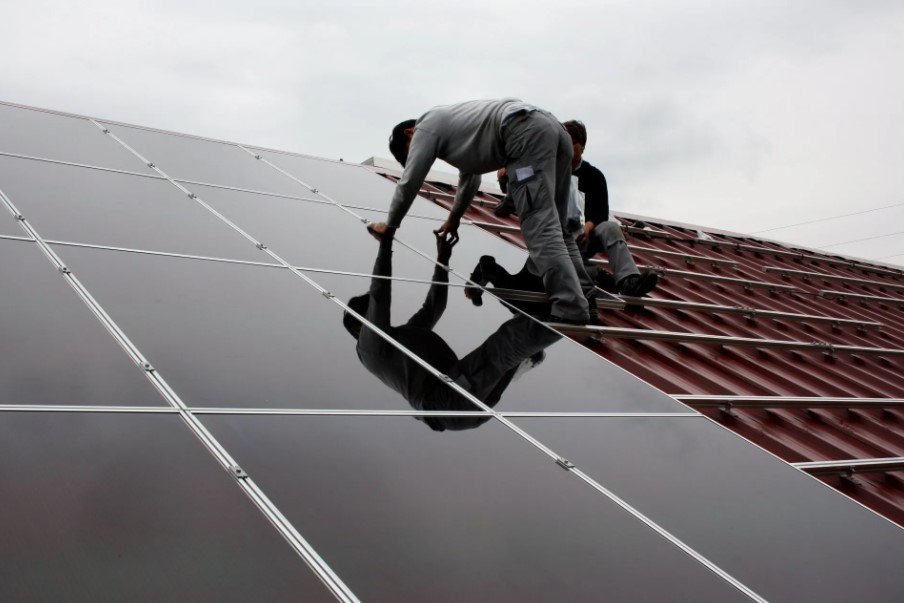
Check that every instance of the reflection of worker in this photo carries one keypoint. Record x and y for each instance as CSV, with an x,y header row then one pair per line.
x,y
483,136
485,373
599,233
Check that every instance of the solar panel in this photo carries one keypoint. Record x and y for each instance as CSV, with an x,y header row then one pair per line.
x,y
406,514
69,203
250,348
733,502
61,138
115,507
199,160
44,332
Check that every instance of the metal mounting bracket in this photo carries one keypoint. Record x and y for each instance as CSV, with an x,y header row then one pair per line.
x,y
564,463
237,472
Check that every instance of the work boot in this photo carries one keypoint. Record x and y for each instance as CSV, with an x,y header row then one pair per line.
x,y
475,294
638,285
605,280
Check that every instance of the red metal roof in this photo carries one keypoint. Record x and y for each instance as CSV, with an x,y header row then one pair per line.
x,y
738,283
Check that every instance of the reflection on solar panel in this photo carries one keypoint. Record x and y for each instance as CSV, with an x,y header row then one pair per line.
x,y
217,386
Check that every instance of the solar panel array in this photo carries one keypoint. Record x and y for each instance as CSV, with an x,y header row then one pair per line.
x,y
183,415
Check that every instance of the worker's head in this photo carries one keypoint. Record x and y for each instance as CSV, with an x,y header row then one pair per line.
x,y
578,134
400,139
359,304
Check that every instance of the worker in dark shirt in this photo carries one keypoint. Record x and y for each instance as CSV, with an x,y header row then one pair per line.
x,y
600,233
485,372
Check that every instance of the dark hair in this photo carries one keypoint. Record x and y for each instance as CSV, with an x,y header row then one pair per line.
x,y
577,131
359,304
398,142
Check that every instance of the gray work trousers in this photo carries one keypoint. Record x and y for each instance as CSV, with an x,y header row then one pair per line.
x,y
538,164
489,368
609,236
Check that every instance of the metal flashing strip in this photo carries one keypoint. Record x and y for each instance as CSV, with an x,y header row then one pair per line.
x,y
608,301
688,338
687,257
76,408
700,276
81,165
844,295
830,277
749,312
802,402
431,413
337,412
603,415
851,466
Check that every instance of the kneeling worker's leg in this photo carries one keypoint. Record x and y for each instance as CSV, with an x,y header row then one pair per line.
x,y
531,144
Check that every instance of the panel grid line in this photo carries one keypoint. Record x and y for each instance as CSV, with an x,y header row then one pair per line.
x,y
269,510
426,366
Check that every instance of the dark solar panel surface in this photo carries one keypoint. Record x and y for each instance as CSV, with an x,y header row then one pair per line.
x,y
397,509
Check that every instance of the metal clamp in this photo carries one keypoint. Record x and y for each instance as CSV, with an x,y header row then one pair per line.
x,y
20,217
328,295
237,472
728,410
564,463
447,378
148,368
257,157
192,196
261,246
65,270
151,164
314,190
106,130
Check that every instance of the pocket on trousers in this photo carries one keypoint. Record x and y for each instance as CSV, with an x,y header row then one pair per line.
x,y
528,193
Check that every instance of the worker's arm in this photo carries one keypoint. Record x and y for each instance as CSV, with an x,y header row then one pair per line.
x,y
421,155
438,295
378,311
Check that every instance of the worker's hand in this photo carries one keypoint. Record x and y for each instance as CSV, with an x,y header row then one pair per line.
x,y
380,230
449,229
581,238
500,173
444,248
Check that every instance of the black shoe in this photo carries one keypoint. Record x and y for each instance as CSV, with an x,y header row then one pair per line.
x,y
638,285
605,280
505,208
475,294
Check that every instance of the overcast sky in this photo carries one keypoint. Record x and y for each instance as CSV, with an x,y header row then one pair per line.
x,y
737,114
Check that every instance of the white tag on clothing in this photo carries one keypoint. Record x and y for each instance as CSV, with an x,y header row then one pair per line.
x,y
523,173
